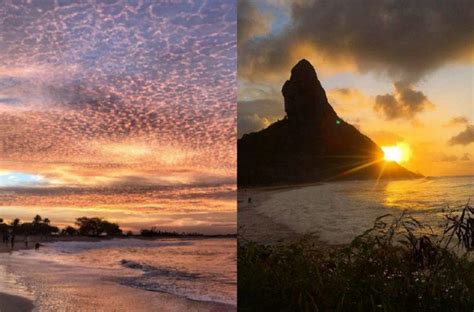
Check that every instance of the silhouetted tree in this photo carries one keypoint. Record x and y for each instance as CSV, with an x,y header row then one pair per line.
x,y
69,230
3,229
15,225
38,226
37,220
97,227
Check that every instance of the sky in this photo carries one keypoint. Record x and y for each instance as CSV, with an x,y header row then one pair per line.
x,y
122,109
402,72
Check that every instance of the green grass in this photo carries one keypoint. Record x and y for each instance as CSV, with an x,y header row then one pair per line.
x,y
398,265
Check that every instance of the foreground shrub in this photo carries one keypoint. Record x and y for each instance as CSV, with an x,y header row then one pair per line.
x,y
398,265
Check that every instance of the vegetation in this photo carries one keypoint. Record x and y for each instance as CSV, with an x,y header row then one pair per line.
x,y
38,226
97,227
398,265
94,227
155,232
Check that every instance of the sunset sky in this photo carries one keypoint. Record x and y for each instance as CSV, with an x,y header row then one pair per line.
x,y
119,109
401,72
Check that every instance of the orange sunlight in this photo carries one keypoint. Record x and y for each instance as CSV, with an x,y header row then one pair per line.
x,y
398,153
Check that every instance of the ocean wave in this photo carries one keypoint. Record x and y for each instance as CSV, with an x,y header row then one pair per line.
x,y
151,270
189,285
80,246
177,290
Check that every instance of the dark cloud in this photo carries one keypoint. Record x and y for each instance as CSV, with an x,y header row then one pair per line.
x,y
465,137
466,157
343,91
250,22
405,102
456,121
404,38
448,158
451,158
257,114
9,101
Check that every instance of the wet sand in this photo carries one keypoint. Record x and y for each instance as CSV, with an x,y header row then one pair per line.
x,y
33,239
84,292
11,303
257,227
107,296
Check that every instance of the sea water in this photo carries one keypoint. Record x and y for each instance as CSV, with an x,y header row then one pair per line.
x,y
197,269
337,212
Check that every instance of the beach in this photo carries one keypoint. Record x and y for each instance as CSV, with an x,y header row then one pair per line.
x,y
335,213
255,225
120,275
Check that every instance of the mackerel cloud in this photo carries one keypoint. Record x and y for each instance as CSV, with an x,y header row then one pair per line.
x,y
120,92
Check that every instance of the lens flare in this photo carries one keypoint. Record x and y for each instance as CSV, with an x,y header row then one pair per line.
x,y
398,153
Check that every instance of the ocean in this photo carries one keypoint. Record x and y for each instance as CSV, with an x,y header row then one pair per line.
x,y
202,270
337,212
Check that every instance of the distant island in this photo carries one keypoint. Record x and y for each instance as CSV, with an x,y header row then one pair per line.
x,y
312,143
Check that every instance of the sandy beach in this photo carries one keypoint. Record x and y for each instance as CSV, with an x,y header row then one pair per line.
x,y
33,239
257,227
72,288
104,298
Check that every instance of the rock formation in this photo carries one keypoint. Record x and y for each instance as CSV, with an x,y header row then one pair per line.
x,y
311,143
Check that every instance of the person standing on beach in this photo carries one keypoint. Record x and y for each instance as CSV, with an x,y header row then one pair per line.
x,y
26,240
3,229
13,241
7,237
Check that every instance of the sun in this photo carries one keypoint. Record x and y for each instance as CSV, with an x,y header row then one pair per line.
x,y
398,153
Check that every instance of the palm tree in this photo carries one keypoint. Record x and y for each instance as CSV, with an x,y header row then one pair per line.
x,y
14,225
37,219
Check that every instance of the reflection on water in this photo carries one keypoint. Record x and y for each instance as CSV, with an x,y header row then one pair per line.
x,y
337,212
200,269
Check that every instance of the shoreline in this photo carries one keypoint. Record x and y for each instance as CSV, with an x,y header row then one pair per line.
x,y
296,185
334,213
101,292
256,227
33,239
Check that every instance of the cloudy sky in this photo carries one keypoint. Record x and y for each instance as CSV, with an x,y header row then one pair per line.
x,y
121,109
400,71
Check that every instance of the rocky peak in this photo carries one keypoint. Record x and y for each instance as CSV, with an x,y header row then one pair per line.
x,y
305,98
311,144
303,71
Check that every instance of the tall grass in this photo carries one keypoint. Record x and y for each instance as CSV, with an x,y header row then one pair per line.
x,y
397,265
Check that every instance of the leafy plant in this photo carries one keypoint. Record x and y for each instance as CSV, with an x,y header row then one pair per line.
x,y
397,265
